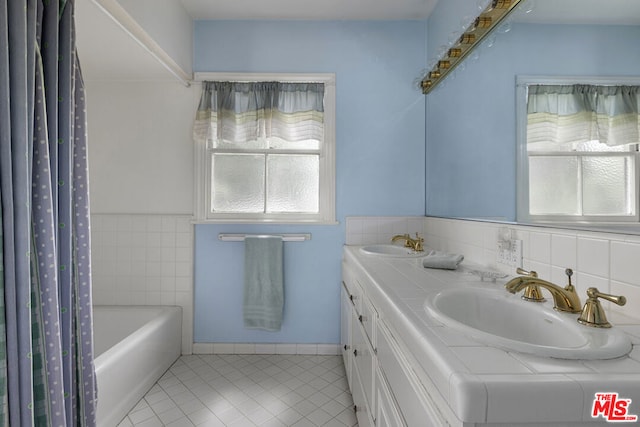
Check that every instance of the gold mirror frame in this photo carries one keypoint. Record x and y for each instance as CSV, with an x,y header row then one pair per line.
x,y
488,19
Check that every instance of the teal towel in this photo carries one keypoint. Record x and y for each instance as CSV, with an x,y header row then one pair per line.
x,y
263,283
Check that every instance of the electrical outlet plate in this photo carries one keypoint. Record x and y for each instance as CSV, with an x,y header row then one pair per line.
x,y
510,252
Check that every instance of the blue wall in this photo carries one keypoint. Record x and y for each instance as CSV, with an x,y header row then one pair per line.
x,y
379,160
471,132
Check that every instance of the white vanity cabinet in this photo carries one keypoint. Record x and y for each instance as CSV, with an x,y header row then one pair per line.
x,y
385,390
409,370
358,347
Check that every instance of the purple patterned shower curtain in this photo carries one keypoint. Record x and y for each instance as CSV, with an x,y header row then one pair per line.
x,y
47,375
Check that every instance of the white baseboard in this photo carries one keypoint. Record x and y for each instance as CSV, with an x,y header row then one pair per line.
x,y
266,348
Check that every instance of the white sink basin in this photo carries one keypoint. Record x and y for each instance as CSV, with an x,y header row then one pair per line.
x,y
495,317
391,251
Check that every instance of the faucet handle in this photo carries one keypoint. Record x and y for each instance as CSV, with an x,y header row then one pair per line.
x,y
616,299
593,313
569,287
526,273
531,292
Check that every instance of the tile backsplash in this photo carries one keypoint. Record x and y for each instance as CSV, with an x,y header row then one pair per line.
x,y
144,260
372,230
607,261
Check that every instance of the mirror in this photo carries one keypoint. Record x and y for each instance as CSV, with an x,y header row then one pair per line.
x,y
471,116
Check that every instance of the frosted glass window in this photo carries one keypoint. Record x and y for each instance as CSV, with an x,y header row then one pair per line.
x,y
264,143
270,177
553,185
307,144
255,144
608,185
237,183
293,184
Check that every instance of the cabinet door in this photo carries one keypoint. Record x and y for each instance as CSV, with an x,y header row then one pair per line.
x,y
368,320
345,331
353,288
363,362
387,412
363,412
416,406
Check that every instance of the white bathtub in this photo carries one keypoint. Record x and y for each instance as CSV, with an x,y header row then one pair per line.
x,y
133,346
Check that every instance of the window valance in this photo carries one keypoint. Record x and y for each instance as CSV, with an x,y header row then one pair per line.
x,y
241,112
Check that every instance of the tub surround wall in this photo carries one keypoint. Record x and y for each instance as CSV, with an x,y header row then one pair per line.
x,y
169,24
140,146
144,260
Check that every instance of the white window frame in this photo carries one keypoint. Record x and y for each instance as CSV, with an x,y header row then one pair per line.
x,y
522,173
202,157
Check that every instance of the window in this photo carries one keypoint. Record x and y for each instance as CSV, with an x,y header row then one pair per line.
x,y
266,164
578,151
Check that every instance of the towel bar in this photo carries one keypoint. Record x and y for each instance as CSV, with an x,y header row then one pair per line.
x,y
285,237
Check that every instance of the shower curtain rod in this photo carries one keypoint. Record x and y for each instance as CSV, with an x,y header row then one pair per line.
x,y
285,237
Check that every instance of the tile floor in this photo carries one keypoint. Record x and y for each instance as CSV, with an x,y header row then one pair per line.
x,y
246,391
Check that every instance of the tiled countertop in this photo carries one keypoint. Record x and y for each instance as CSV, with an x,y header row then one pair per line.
x,y
483,384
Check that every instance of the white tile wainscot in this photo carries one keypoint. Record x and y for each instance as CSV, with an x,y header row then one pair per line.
x,y
144,259
437,376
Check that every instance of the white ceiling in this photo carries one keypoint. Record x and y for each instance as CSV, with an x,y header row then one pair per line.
x,y
619,12
603,12
108,52
309,9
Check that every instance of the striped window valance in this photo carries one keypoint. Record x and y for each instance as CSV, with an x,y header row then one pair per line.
x,y
240,112
565,115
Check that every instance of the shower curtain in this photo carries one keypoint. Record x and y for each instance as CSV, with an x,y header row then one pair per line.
x,y
47,376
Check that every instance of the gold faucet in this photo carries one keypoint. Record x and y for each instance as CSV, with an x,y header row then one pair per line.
x,y
593,313
416,244
564,299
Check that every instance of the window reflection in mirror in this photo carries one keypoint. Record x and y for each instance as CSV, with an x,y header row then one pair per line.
x,y
578,150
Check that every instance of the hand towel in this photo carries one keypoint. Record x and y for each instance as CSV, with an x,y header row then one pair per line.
x,y
263,283
442,260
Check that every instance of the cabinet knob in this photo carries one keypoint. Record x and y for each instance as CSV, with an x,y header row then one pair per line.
x,y
355,408
355,352
351,298
361,318
346,347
